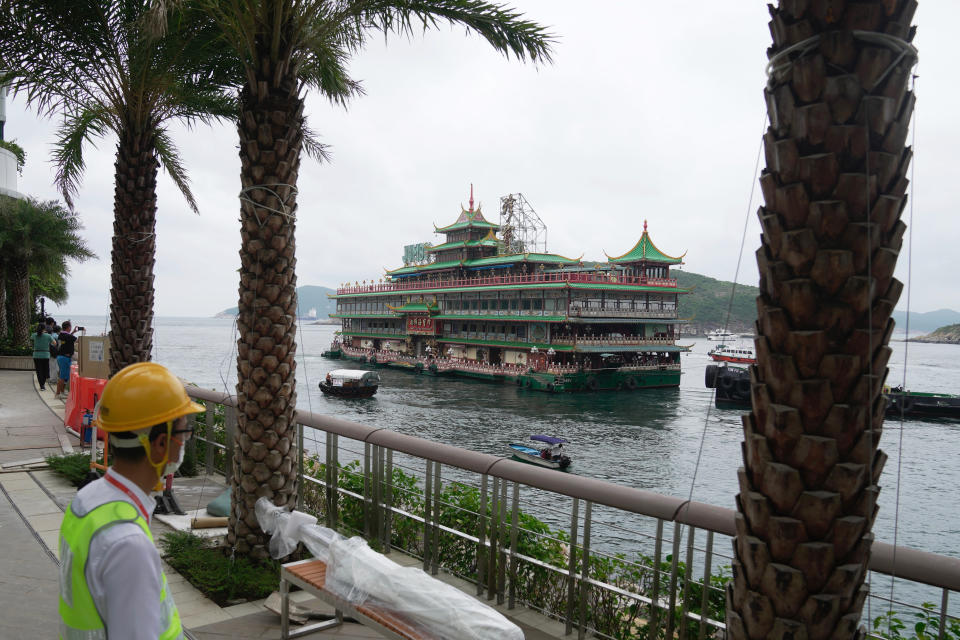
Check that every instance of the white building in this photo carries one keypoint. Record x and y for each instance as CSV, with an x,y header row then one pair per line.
x,y
8,161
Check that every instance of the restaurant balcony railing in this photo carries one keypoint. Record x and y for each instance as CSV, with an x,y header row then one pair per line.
x,y
492,281
588,312
657,594
601,341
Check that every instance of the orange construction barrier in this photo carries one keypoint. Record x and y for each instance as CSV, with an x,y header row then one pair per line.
x,y
84,394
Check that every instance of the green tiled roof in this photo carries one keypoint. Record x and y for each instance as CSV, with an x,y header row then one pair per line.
x,y
454,316
416,307
485,242
466,220
512,287
543,258
645,250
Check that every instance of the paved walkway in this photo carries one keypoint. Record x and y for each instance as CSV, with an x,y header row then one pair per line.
x,y
32,502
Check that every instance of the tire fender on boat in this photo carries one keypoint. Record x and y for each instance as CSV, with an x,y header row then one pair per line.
x,y
592,384
743,386
725,382
631,382
710,378
527,383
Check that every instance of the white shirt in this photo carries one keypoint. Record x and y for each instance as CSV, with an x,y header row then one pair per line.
x,y
123,568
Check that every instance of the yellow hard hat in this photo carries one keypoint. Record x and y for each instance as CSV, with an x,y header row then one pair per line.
x,y
142,395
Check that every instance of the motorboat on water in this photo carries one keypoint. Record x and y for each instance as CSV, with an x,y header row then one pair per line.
x,y
721,335
350,383
735,354
550,456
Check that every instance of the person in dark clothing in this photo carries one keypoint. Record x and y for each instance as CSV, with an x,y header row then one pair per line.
x,y
41,354
65,355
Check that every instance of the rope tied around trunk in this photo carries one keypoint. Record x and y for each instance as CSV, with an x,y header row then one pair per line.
x,y
270,189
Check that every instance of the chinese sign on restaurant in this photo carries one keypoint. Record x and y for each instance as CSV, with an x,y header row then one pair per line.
x,y
421,324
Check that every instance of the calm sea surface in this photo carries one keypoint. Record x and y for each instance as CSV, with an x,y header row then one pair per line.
x,y
647,439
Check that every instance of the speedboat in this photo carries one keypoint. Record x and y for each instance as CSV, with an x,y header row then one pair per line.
x,y
738,355
550,456
350,383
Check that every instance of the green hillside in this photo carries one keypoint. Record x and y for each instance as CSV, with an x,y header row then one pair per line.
x,y
707,305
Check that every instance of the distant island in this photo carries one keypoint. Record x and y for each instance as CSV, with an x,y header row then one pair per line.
x,y
949,334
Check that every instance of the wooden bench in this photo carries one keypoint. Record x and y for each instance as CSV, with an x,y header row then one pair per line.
x,y
311,576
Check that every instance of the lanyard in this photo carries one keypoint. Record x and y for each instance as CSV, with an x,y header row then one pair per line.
x,y
129,493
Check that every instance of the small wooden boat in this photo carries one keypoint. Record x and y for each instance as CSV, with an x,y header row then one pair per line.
x,y
738,355
550,456
351,383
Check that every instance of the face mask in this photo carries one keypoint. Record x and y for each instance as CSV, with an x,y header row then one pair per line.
x,y
172,467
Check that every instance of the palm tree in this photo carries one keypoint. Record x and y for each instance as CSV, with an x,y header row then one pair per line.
x,y
839,105
287,46
37,238
97,64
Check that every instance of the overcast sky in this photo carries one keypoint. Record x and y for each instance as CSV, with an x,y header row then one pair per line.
x,y
650,111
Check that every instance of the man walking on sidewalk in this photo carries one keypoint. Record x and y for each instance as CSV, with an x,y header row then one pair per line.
x,y
111,582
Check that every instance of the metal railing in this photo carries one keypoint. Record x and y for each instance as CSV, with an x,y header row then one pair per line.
x,y
533,278
672,590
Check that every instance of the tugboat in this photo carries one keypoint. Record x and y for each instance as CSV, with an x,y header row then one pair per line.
x,y
916,404
350,383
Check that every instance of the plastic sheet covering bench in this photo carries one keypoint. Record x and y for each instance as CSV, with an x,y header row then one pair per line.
x,y
400,602
310,575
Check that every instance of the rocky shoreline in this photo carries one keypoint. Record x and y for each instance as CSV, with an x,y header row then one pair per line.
x,y
944,335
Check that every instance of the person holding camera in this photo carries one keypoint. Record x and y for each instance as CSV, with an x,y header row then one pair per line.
x,y
65,350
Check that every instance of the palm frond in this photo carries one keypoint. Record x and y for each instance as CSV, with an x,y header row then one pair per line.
x,y
314,148
77,129
173,165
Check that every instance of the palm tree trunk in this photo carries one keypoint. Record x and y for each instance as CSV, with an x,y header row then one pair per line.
x,y
20,302
270,128
839,106
134,246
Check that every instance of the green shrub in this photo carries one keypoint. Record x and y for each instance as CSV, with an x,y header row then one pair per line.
x,y
926,625
73,467
221,578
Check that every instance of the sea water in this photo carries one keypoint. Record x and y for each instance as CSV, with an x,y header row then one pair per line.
x,y
649,439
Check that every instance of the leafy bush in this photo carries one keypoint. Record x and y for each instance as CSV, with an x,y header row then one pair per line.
x,y
73,467
217,575
9,348
926,625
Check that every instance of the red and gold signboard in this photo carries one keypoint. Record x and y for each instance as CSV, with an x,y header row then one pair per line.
x,y
421,324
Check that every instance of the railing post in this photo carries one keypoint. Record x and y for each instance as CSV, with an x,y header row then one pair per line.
x,y
367,493
332,470
943,614
230,424
210,418
494,538
427,506
300,462
677,533
655,598
585,571
388,503
481,544
502,567
688,569
571,566
437,487
705,598
514,522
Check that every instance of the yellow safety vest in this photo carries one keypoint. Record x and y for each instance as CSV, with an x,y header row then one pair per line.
x,y
79,618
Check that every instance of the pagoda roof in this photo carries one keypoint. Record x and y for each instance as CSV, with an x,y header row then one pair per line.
x,y
468,218
475,263
484,242
645,251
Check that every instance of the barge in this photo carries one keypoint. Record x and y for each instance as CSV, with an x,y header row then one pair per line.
x,y
489,302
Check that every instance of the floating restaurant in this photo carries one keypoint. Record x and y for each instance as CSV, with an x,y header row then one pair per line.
x,y
489,302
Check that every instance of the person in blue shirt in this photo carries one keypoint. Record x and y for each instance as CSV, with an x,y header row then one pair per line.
x,y
41,354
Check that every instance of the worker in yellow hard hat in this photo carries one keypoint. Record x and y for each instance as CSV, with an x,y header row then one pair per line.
x,y
111,582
